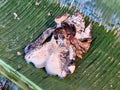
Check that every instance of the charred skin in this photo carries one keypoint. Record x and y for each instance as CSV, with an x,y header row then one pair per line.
x,y
50,54
66,57
69,40
77,35
77,20
40,41
81,47
59,62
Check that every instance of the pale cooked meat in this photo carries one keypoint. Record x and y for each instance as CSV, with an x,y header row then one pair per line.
x,y
70,39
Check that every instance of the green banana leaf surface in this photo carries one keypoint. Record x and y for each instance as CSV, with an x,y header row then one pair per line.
x,y
99,69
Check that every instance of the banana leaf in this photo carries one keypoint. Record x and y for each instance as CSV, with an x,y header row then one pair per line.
x,y
98,69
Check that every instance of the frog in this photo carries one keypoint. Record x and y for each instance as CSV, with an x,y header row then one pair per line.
x,y
70,39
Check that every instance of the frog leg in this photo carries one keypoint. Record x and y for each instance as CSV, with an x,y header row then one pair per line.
x,y
38,43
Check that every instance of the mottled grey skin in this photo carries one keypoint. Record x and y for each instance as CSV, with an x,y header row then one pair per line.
x,y
78,21
38,43
59,50
59,55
